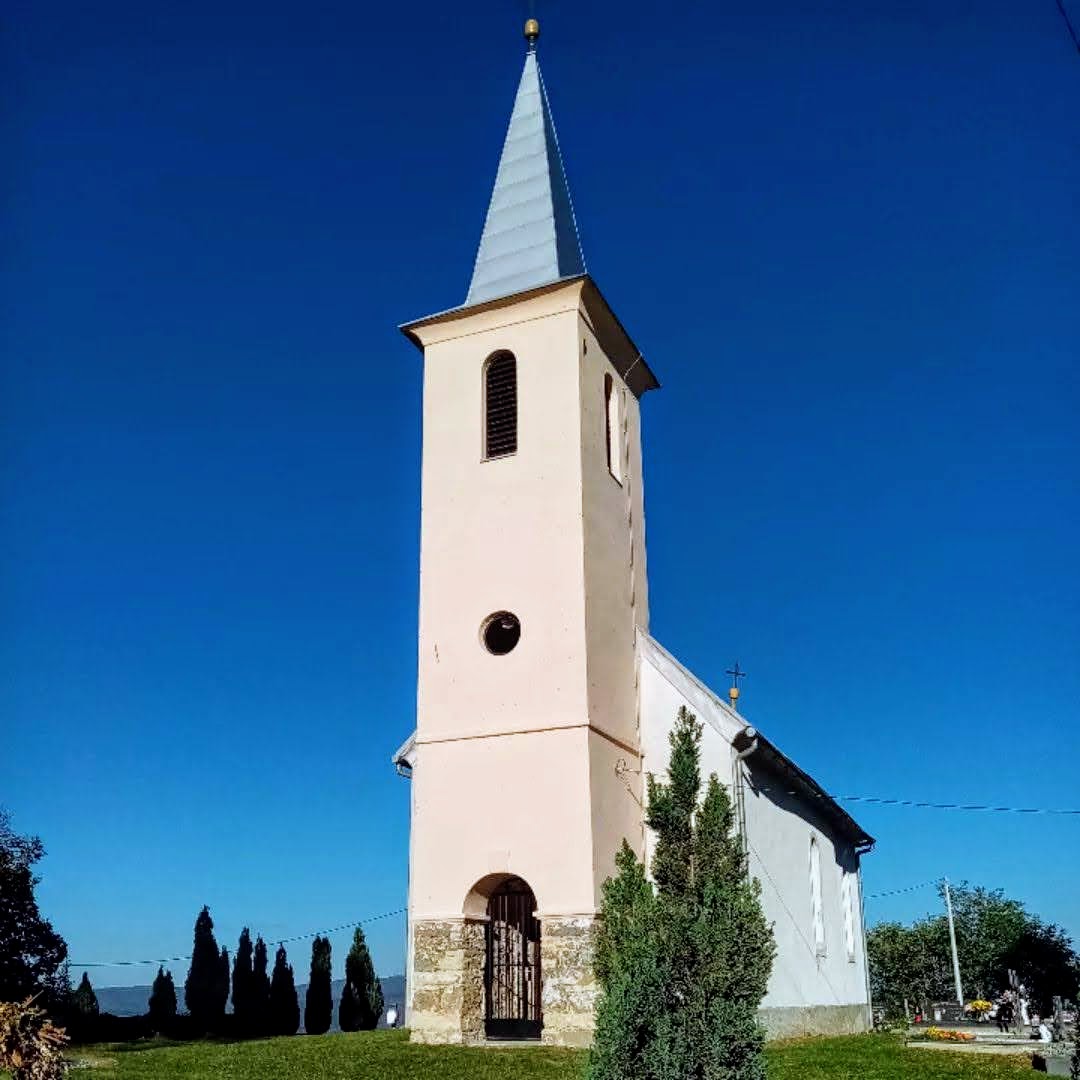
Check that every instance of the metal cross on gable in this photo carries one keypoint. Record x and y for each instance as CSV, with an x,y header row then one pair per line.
x,y
736,674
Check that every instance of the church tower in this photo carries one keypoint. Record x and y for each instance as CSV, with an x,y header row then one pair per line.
x,y
525,763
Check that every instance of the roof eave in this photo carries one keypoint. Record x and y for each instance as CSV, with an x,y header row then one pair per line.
x,y
618,344
808,786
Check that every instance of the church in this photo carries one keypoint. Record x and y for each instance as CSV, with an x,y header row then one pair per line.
x,y
542,699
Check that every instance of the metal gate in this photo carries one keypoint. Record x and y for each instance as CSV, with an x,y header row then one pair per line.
x,y
512,964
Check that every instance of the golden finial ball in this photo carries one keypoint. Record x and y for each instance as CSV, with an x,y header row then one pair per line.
x,y
733,693
532,30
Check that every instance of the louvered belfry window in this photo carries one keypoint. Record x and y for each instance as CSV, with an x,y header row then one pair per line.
x,y
500,405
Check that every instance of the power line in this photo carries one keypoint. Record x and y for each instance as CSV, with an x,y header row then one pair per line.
x,y
1068,24
280,941
906,889
881,801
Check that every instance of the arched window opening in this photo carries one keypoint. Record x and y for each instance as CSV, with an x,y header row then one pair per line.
x,y
613,428
500,405
847,890
817,913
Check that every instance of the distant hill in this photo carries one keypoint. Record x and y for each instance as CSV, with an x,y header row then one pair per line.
x,y
134,1000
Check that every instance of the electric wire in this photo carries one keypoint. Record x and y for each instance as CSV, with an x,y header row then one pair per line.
x,y
1068,24
979,807
279,941
906,889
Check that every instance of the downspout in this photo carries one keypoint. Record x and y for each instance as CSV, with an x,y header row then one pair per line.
x,y
740,794
865,954
405,770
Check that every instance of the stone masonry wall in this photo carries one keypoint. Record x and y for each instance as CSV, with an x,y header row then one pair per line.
x,y
448,978
569,995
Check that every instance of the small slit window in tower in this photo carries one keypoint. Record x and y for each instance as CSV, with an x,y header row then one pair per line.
x,y
500,405
613,428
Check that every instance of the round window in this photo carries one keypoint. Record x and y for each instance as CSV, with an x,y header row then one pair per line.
x,y
501,632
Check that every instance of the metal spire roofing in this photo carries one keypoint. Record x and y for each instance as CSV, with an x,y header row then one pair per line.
x,y
530,236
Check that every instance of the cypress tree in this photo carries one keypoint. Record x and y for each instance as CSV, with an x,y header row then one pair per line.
x,y
162,1007
242,986
84,1001
260,991
682,968
202,987
319,1007
284,1005
361,998
631,969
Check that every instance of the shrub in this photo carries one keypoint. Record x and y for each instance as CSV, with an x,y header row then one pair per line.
x,y
682,968
31,1047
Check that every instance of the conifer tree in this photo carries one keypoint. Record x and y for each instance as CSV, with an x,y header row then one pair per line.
x,y
319,1007
284,1005
202,987
682,967
361,998
631,969
242,985
162,1006
348,1008
84,1001
260,990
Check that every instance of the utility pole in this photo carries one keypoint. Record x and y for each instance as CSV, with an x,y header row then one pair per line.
x,y
952,942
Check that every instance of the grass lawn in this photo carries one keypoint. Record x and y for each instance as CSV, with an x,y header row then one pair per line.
x,y
388,1055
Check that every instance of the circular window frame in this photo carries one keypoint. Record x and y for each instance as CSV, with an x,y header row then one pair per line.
x,y
508,636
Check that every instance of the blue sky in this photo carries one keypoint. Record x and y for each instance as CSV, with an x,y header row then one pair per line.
x,y
847,239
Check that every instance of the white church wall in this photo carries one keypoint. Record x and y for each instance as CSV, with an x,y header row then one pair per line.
x,y
810,990
664,690
780,827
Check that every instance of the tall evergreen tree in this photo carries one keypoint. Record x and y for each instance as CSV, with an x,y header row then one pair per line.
x,y
361,997
242,985
260,990
319,1007
162,1007
682,968
631,970
202,987
84,1001
284,1005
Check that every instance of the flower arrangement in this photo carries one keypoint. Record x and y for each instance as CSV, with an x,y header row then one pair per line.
x,y
948,1035
979,1007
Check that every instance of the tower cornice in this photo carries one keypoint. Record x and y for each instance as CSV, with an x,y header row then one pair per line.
x,y
580,292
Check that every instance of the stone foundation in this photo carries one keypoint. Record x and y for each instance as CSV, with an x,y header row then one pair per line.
x,y
448,982
790,1021
448,987
566,958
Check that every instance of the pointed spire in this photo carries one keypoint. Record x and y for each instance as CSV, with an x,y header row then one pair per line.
x,y
530,236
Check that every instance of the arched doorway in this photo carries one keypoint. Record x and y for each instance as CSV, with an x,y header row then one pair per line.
x,y
512,978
